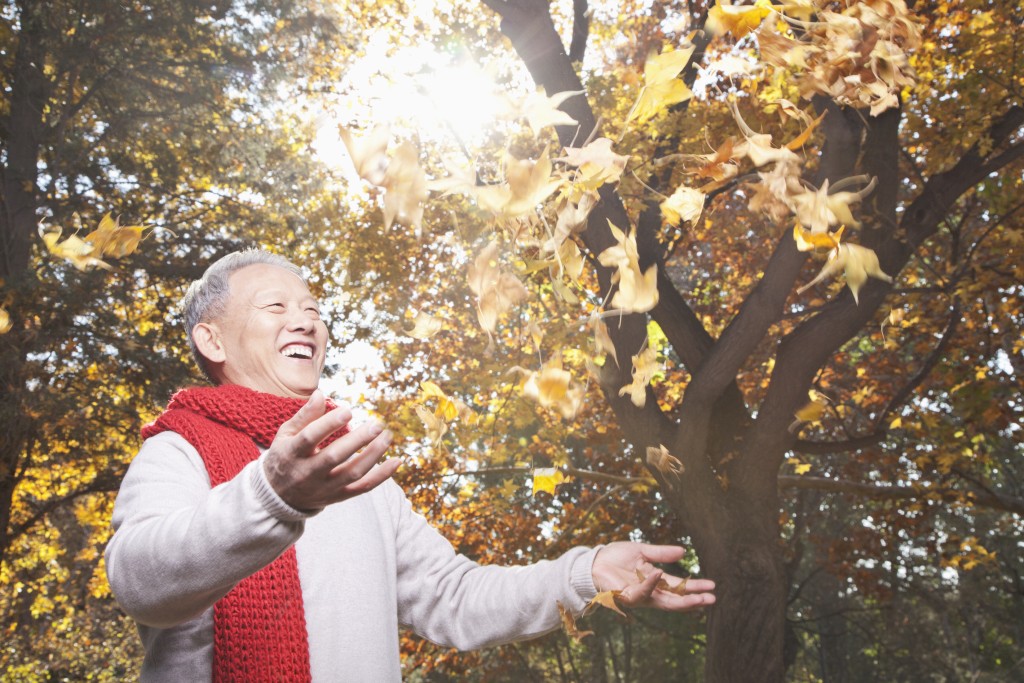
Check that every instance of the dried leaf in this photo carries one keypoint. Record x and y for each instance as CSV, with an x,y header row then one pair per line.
x,y
369,154
660,459
406,188
809,241
569,624
435,426
857,262
497,291
607,599
542,111
424,326
597,163
74,249
684,206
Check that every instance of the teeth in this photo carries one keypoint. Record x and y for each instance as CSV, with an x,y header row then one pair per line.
x,y
297,351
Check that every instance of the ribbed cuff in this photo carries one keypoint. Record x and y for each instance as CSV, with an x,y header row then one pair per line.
x,y
269,499
581,575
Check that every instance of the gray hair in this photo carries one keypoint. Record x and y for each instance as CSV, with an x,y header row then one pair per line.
x,y
207,297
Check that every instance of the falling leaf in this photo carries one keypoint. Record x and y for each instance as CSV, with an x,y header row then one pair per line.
x,y
527,184
569,624
497,291
5,321
811,411
603,340
424,326
857,263
552,387
572,219
74,249
645,366
739,20
818,209
801,140
461,178
369,154
542,111
435,426
895,317
637,292
406,188
896,423
684,206
546,479
607,599
661,87
758,146
597,163
660,459
809,241
110,238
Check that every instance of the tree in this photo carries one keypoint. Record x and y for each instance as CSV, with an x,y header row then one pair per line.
x,y
160,115
939,221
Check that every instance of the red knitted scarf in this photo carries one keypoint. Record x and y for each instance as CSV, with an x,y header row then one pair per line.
x,y
259,628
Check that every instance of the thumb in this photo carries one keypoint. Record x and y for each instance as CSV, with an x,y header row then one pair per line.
x,y
662,553
312,409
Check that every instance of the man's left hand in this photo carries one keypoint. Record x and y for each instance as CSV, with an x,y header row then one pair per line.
x,y
619,566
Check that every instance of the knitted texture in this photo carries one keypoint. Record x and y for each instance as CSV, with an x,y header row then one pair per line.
x,y
259,627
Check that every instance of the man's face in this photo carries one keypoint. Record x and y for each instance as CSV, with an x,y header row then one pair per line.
x,y
271,333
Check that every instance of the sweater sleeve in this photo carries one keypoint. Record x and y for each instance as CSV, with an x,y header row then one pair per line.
x,y
451,600
178,545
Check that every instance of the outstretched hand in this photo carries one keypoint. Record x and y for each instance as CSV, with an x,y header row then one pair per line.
x,y
619,567
308,477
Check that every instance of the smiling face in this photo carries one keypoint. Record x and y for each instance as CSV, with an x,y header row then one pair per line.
x,y
270,337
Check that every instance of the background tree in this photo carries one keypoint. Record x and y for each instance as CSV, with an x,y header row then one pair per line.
x,y
896,502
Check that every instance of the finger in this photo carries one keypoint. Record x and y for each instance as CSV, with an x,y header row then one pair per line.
x,y
312,409
357,464
377,475
348,445
638,594
319,429
681,603
662,553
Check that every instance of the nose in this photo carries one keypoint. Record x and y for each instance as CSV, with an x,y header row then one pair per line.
x,y
299,320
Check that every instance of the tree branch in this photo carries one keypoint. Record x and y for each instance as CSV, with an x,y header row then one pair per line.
x,y
580,30
989,499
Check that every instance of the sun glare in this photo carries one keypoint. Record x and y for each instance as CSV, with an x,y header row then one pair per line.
x,y
440,97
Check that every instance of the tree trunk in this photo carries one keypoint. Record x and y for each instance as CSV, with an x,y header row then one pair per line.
x,y
23,140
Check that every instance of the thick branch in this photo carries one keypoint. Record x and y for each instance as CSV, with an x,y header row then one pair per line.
x,y
996,501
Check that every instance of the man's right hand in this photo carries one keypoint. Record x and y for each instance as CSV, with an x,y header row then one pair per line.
x,y
308,477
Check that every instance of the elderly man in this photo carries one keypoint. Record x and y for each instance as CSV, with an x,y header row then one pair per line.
x,y
259,535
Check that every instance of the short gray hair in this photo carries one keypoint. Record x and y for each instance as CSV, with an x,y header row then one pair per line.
x,y
207,297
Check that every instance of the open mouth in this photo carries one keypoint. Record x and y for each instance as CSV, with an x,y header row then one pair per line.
x,y
297,350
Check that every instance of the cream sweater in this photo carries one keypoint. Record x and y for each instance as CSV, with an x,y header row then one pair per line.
x,y
366,566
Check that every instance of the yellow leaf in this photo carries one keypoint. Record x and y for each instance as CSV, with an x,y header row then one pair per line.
x,y
800,140
553,387
739,20
802,468
684,206
896,423
645,366
857,262
819,209
809,241
369,154
406,188
661,87
597,162
811,411
497,291
424,326
5,321
110,238
637,292
431,389
542,111
546,479
527,184
435,426
73,249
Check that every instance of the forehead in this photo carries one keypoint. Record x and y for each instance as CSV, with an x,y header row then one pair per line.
x,y
253,280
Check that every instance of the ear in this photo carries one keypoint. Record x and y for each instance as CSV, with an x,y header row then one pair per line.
x,y
207,339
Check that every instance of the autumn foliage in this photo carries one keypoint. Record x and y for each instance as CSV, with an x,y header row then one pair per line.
x,y
744,277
